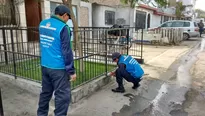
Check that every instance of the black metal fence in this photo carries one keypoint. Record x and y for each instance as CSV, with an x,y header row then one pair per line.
x,y
20,52
1,105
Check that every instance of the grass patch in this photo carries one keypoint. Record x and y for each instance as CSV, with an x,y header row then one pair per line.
x,y
31,69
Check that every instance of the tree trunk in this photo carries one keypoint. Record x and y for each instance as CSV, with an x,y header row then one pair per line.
x,y
75,31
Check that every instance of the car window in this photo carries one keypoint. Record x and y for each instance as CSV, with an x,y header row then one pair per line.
x,y
168,24
177,24
186,24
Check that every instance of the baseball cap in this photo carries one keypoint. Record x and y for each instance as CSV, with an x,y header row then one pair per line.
x,y
62,9
115,55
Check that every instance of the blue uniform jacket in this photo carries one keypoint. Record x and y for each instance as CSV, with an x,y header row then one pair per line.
x,y
130,65
56,52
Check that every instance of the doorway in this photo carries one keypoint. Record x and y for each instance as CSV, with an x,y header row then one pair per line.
x,y
148,21
33,18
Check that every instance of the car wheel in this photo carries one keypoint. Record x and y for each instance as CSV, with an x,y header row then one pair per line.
x,y
185,36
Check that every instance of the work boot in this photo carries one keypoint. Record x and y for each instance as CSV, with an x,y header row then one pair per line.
x,y
135,86
119,90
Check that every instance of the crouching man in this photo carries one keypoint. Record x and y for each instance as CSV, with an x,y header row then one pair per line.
x,y
129,69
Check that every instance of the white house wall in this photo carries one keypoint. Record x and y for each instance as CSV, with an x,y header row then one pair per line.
x,y
99,15
155,21
126,13
45,5
22,13
89,6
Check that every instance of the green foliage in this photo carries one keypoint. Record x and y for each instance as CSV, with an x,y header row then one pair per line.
x,y
201,13
179,9
31,69
130,2
161,2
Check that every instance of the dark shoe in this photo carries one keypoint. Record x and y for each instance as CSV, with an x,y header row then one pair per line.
x,y
135,86
118,90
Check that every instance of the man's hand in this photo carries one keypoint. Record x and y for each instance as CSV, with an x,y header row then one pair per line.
x,y
73,77
112,74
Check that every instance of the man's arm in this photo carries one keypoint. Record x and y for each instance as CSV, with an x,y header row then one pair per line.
x,y
67,51
121,67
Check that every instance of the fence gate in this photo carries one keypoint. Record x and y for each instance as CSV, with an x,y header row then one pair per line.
x,y
126,41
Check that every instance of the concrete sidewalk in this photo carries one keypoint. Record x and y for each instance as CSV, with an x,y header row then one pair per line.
x,y
18,102
158,72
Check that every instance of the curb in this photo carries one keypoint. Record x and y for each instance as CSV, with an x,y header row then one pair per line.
x,y
77,94
89,88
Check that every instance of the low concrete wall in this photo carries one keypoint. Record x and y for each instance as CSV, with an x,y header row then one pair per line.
x,y
161,36
89,88
77,94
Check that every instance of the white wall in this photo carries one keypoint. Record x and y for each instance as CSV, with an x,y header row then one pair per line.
x,y
99,15
155,22
22,13
89,6
45,5
127,14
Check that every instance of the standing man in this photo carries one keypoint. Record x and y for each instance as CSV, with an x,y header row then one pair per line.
x,y
56,61
129,69
201,27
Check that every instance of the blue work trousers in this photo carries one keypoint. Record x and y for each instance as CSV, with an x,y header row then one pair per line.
x,y
57,81
120,74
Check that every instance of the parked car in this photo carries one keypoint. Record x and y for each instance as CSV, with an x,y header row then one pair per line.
x,y
190,28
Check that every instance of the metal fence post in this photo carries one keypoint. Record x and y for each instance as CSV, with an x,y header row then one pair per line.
x,y
127,36
13,53
142,60
106,53
1,105
5,47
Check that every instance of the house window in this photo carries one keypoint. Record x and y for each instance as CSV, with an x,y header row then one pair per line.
x,y
140,20
109,17
53,5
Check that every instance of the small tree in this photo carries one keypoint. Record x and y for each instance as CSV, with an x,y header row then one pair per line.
x,y
75,31
179,10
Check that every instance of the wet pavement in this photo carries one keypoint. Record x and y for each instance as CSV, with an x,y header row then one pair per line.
x,y
168,97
